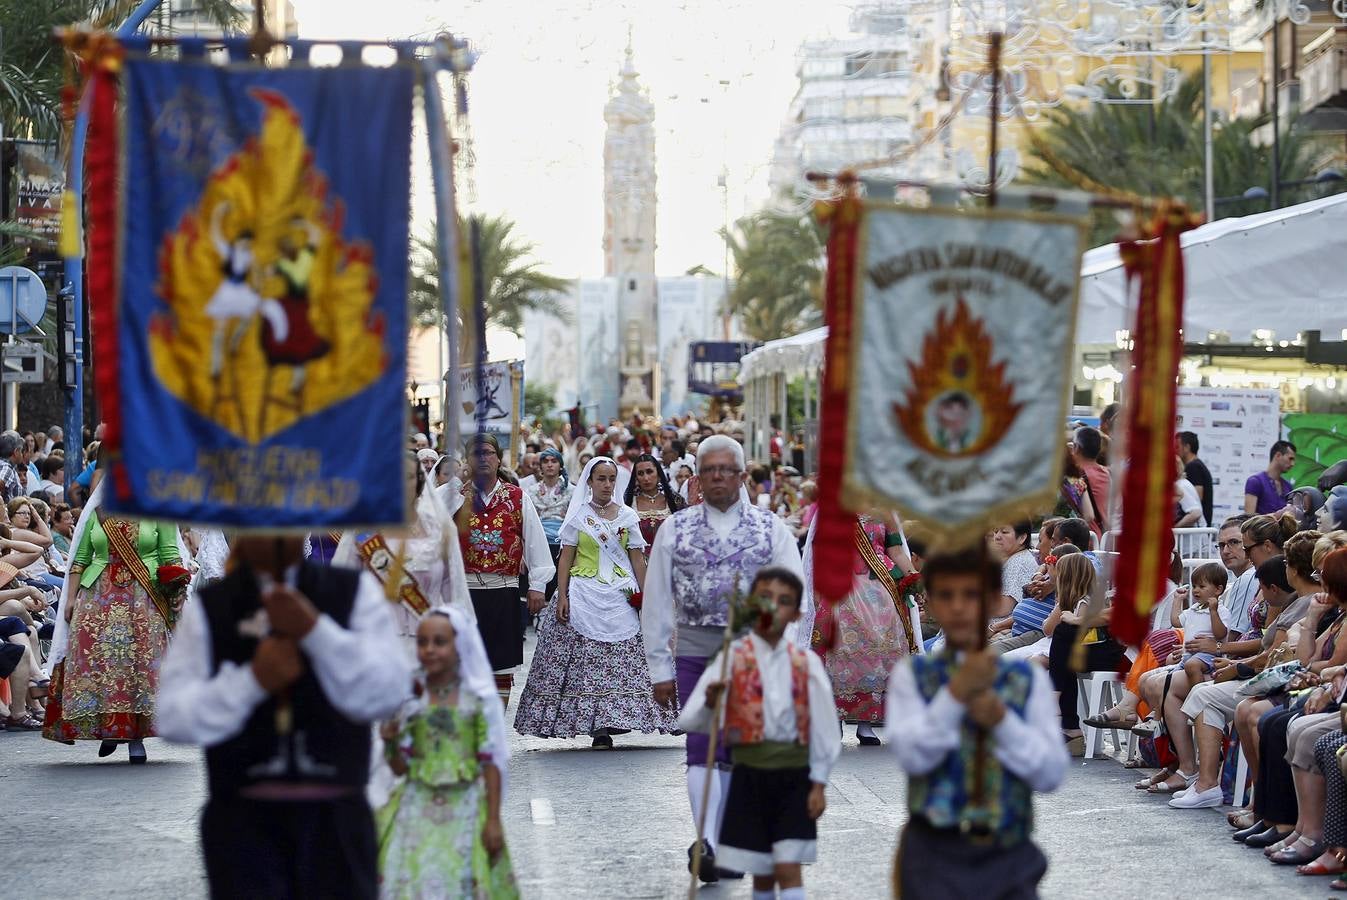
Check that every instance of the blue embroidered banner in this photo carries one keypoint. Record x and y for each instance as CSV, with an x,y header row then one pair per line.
x,y
261,328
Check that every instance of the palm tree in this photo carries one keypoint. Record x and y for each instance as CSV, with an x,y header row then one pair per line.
x,y
1156,150
779,286
514,282
32,67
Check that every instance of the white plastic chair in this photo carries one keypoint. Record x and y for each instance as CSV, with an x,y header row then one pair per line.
x,y
1096,692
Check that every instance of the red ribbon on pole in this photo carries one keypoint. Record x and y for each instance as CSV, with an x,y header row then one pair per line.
x,y
834,549
1147,539
104,266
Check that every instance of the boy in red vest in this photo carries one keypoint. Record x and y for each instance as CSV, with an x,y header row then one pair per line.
x,y
781,726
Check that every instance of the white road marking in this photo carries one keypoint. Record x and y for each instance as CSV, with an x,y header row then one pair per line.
x,y
541,811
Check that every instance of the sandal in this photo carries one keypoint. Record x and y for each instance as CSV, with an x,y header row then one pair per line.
x,y
1241,819
1162,775
1165,787
1104,720
1303,851
1148,727
23,723
1319,867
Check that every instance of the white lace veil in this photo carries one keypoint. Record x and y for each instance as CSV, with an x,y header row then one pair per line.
x,y
61,634
580,497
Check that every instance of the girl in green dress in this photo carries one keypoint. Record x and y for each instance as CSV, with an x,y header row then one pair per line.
x,y
440,833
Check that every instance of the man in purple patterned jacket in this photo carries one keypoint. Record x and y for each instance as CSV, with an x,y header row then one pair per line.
x,y
701,557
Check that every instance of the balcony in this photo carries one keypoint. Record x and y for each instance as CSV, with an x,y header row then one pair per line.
x,y
1323,75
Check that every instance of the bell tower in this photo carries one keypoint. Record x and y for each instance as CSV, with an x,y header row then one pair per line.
x,y
629,234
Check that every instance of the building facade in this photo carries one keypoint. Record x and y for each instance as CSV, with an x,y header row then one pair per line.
x,y
853,101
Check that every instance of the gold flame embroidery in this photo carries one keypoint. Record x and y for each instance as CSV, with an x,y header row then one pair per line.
x,y
269,308
959,402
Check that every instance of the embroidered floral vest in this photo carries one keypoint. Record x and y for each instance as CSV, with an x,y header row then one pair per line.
x,y
943,795
743,703
707,569
493,542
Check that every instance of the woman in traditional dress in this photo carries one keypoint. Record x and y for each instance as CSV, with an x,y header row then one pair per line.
x,y
864,636
431,566
551,496
651,495
120,602
589,673
440,832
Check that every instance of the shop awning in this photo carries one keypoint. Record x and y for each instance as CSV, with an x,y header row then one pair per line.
x,y
1284,270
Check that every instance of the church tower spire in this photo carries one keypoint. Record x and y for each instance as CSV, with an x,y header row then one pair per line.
x,y
629,231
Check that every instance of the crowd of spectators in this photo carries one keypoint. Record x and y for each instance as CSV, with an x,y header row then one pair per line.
x,y
37,520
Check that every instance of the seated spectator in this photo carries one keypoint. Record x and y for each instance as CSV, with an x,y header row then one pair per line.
x,y
1201,619
53,477
19,666
1025,626
1166,689
1197,725
1278,733
1010,545
1075,531
27,525
62,527
1078,624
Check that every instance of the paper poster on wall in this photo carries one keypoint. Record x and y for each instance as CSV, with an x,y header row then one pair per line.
x,y
1235,430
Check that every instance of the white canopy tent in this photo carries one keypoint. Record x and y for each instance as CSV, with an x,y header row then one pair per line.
x,y
764,374
1281,270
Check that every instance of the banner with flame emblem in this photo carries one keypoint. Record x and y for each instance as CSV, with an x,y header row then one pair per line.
x,y
963,334
260,350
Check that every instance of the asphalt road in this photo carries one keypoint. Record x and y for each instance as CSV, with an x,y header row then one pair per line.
x,y
586,824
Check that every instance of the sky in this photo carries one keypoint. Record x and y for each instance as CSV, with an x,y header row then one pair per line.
x,y
537,95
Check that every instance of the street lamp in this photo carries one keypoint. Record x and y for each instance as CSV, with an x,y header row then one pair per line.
x,y
1258,192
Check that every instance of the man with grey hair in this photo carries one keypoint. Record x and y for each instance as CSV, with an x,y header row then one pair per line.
x,y
702,557
11,451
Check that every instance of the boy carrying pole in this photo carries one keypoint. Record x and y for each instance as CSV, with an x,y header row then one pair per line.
x,y
781,726
961,842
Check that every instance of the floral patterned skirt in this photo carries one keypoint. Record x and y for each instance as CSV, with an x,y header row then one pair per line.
x,y
578,686
430,845
104,688
869,641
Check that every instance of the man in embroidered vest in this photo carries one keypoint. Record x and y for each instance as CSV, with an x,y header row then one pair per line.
x,y
278,671
701,558
780,725
963,839
500,535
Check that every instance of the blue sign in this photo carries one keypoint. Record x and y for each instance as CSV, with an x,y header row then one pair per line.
x,y
23,300
261,339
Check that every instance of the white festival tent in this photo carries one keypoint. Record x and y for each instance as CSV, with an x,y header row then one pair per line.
x,y
1284,270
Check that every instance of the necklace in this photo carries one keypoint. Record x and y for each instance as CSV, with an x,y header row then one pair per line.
x,y
441,692
652,497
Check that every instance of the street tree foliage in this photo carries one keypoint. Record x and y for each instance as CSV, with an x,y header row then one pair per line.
x,y
515,281
33,68
1156,150
778,261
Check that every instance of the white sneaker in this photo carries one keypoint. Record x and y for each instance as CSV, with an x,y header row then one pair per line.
x,y
1195,799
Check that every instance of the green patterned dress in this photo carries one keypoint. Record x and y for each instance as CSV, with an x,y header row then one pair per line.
x,y
430,831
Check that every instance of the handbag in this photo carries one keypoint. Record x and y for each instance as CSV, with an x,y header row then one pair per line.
x,y
1270,680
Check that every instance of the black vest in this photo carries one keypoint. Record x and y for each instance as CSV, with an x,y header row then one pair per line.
x,y
323,746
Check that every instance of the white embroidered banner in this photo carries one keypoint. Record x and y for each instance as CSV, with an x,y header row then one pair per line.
x,y
961,363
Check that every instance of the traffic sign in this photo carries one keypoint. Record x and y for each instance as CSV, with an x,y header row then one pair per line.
x,y
23,300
